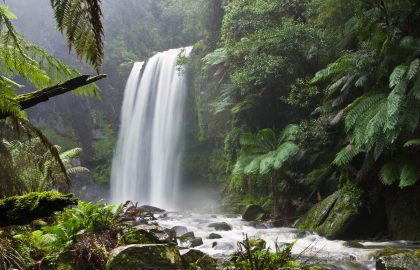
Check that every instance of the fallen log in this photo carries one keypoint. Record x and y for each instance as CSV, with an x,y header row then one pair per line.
x,y
21,210
31,99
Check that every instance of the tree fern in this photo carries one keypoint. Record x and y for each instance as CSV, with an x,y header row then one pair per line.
x,y
397,75
81,21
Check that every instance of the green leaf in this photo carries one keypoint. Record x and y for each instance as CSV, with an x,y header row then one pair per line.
x,y
389,173
5,10
397,75
409,174
412,70
413,142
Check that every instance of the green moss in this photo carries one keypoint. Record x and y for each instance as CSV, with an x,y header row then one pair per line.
x,y
20,210
334,215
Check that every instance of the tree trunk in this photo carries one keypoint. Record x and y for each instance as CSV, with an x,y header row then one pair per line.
x,y
276,199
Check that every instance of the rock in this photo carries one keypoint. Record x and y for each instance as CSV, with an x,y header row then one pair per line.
x,y
180,230
145,257
195,259
334,216
220,226
198,241
151,209
156,234
254,212
214,236
189,236
401,261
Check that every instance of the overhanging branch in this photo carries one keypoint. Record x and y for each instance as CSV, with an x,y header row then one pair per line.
x,y
31,99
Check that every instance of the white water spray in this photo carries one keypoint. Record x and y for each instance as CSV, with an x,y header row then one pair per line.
x,y
146,165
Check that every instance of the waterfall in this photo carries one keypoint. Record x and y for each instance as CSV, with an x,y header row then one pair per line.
x,y
147,160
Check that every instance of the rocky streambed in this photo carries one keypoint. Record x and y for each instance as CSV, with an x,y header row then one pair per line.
x,y
198,235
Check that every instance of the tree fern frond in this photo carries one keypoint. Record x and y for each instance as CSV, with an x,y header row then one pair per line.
x,y
412,143
79,169
72,153
284,152
397,75
409,174
346,155
413,68
358,107
81,21
389,173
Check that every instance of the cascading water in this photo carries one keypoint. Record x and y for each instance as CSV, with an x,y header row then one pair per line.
x,y
146,165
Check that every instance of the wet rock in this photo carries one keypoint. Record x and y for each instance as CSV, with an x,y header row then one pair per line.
x,y
402,261
334,216
195,259
145,257
189,236
198,241
221,226
214,236
254,212
180,230
151,209
157,234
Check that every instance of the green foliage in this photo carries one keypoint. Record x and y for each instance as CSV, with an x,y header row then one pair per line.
x,y
81,20
36,169
86,217
262,153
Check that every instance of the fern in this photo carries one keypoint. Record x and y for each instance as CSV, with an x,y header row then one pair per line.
x,y
217,57
389,173
81,21
346,155
397,75
412,143
412,70
409,174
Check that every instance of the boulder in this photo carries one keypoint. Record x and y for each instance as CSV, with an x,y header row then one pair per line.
x,y
254,212
151,209
189,236
198,241
220,226
155,233
401,261
180,230
195,259
145,257
214,236
334,216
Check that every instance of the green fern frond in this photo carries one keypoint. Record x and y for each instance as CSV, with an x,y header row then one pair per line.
x,y
284,152
74,170
346,155
72,153
397,75
389,173
413,68
217,57
359,107
81,21
412,143
409,174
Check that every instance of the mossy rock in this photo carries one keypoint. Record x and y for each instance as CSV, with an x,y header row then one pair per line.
x,y
145,257
333,216
21,210
195,259
401,261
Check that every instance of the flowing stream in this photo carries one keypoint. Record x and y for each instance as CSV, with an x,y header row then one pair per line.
x,y
146,165
331,254
146,169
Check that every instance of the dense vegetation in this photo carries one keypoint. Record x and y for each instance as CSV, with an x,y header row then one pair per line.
x,y
292,104
344,74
